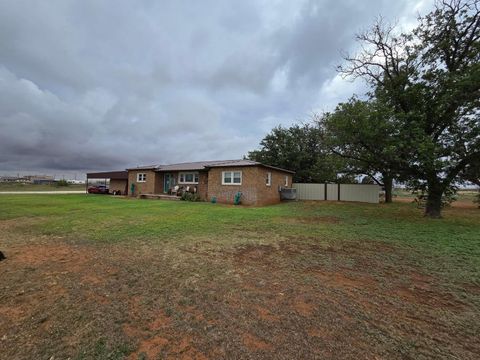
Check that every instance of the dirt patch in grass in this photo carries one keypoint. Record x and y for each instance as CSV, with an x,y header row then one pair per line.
x,y
51,255
342,280
150,347
302,307
13,224
255,344
264,253
351,291
265,314
8,224
472,288
254,252
160,321
429,297
12,313
463,204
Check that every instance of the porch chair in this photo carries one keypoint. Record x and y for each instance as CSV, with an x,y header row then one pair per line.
x,y
174,191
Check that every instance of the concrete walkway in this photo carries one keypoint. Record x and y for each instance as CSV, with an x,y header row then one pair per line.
x,y
61,192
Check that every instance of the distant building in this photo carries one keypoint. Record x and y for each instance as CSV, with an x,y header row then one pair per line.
x,y
76,182
32,179
43,181
36,179
10,179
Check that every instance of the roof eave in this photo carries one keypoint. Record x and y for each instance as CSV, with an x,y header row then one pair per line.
x,y
277,168
246,165
175,170
142,168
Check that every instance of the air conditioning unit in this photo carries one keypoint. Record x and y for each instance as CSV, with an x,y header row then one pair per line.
x,y
288,193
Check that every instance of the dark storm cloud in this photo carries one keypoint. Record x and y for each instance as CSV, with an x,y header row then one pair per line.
x,y
322,30
101,84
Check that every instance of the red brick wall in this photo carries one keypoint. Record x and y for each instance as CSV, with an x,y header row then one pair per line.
x,y
147,187
158,189
253,188
118,185
226,193
202,186
269,194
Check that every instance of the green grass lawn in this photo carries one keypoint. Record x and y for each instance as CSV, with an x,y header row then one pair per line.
x,y
98,218
295,279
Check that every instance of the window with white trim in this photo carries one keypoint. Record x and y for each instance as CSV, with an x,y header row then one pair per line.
x,y
268,179
286,181
188,178
231,178
141,177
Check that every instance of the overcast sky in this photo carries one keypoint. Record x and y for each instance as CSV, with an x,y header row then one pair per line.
x,y
102,85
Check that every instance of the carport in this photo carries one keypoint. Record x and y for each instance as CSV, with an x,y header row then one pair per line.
x,y
118,180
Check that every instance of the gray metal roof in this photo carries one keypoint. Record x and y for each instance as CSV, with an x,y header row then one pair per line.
x,y
204,165
198,165
145,167
244,162
118,175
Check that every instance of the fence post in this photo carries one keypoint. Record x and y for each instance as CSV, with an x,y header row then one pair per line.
x,y
338,191
325,190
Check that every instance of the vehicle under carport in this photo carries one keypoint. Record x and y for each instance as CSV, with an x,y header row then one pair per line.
x,y
118,181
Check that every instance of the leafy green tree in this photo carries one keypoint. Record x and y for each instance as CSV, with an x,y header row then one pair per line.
x,y
362,132
429,79
62,182
298,148
471,173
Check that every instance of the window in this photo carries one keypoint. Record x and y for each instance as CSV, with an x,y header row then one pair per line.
x,y
188,178
231,178
237,177
286,181
141,177
268,179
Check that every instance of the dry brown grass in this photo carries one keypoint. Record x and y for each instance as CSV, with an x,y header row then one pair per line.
x,y
294,300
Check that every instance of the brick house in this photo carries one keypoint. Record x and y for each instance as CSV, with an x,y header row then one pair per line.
x,y
258,183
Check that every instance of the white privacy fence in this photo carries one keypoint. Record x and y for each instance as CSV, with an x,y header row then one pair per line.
x,y
338,192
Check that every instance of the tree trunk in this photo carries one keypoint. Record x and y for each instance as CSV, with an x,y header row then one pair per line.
x,y
388,184
434,203
478,197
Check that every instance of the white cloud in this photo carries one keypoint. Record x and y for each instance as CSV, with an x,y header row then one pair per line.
x,y
335,90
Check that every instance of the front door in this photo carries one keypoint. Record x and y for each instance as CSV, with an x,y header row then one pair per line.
x,y
167,182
